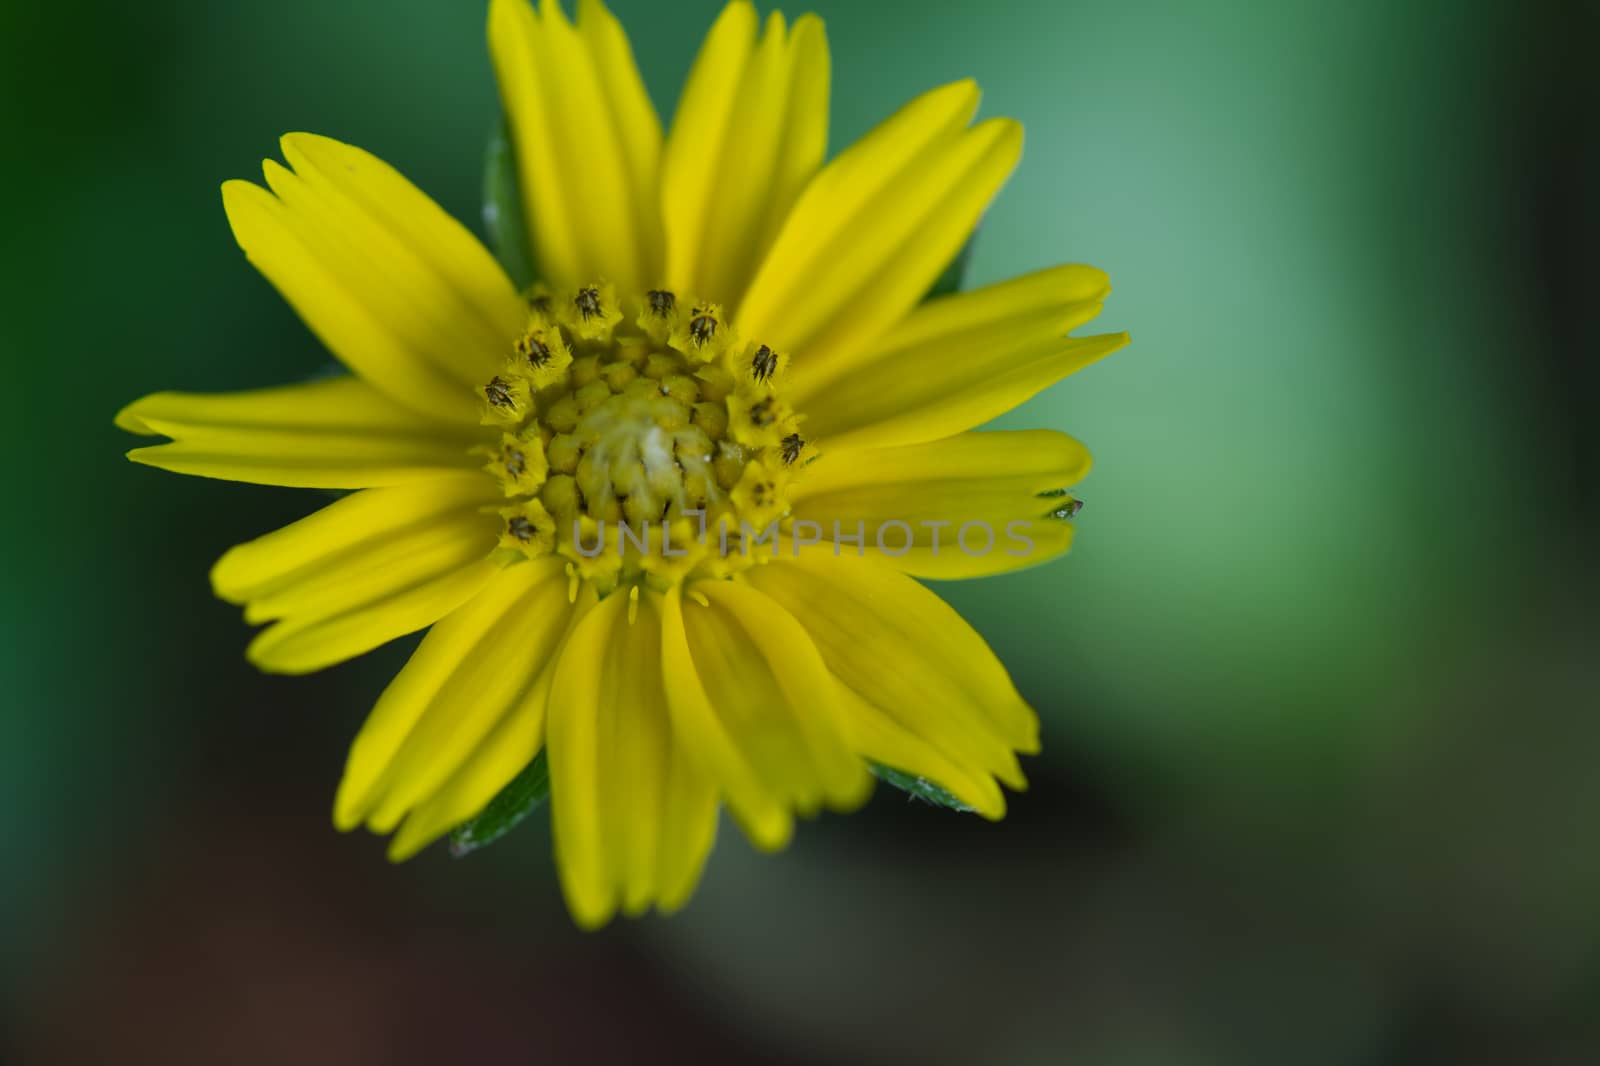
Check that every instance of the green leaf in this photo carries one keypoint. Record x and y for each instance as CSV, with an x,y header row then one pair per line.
x,y
955,275
514,803
503,217
920,787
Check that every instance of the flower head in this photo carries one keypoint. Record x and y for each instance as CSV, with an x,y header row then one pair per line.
x,y
663,512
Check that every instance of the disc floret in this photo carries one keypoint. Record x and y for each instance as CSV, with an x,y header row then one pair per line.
x,y
645,442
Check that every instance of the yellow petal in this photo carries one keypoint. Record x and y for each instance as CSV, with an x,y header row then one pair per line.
x,y
960,360
633,117
750,131
578,702
907,652
772,695
966,506
636,744
699,130
761,813
883,740
471,669
397,289
875,227
586,141
335,434
363,570
503,754
632,816
688,829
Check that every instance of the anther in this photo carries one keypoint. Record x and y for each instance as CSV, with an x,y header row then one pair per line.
x,y
662,302
588,303
534,350
761,414
793,445
516,463
763,364
703,326
498,392
520,527
540,303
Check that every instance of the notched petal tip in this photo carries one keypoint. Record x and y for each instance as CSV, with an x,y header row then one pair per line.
x,y
265,654
131,418
810,22
155,456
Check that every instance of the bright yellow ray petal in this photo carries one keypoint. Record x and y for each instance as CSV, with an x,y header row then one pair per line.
x,y
883,740
636,748
503,754
363,570
514,47
379,204
335,434
699,130
688,829
438,660
751,130
577,802
872,281
634,121
803,142
760,812
416,597
774,697
341,533
843,192
633,818
586,141
909,653
493,649
875,227
395,288
966,506
960,360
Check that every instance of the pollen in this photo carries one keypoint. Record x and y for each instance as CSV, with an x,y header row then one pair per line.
x,y
633,444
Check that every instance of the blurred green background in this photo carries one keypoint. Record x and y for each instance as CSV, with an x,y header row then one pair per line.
x,y
1318,679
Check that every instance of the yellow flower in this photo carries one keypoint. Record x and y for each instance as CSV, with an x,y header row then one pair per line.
x,y
664,513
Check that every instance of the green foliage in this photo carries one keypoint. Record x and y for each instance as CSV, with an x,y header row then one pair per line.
x,y
920,787
514,803
502,210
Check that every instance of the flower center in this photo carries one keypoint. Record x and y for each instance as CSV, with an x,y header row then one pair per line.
x,y
642,440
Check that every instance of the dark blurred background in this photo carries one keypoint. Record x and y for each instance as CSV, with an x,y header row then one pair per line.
x,y
1319,682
